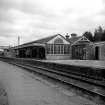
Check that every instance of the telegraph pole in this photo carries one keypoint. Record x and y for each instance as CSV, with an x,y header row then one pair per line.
x,y
17,46
18,40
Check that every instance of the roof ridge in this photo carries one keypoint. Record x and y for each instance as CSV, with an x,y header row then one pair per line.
x,y
46,37
50,36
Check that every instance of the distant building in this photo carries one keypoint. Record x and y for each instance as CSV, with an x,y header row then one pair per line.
x,y
9,52
2,48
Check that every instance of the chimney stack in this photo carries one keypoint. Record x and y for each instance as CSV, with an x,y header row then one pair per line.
x,y
67,36
73,35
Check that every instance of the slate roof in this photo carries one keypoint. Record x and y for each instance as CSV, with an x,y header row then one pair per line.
x,y
46,39
42,41
72,40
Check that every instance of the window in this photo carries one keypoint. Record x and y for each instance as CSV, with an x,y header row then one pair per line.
x,y
48,49
58,41
62,49
55,49
58,49
51,48
66,49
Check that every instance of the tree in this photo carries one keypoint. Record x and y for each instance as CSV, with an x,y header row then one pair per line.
x,y
98,34
88,35
103,36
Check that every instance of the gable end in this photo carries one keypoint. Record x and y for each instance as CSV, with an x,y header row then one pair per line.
x,y
83,38
59,39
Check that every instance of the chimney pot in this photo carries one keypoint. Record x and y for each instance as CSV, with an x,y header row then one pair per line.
x,y
67,36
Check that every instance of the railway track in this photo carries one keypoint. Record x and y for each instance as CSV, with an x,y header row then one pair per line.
x,y
90,86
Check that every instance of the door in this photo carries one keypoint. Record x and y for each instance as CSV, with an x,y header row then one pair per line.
x,y
97,53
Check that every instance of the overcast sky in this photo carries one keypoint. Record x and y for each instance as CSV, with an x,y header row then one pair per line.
x,y
34,19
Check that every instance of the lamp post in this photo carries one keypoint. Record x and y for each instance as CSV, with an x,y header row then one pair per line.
x,y
18,40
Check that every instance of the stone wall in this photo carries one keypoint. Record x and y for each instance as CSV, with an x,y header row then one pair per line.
x,y
90,52
102,52
57,57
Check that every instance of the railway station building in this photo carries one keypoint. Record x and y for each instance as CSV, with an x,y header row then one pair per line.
x,y
53,47
58,47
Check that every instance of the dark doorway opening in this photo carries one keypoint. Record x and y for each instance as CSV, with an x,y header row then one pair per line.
x,y
38,52
42,53
79,52
97,53
21,53
34,52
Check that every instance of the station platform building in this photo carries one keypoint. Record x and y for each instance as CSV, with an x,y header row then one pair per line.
x,y
53,47
58,47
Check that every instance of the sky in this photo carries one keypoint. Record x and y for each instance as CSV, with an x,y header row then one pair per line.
x,y
34,19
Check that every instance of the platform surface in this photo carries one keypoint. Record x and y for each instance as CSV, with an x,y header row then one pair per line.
x,y
24,88
86,63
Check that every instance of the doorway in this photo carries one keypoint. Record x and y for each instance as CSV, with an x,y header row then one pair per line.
x,y
97,53
38,52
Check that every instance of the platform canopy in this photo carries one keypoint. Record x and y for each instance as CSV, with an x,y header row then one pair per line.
x,y
28,45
